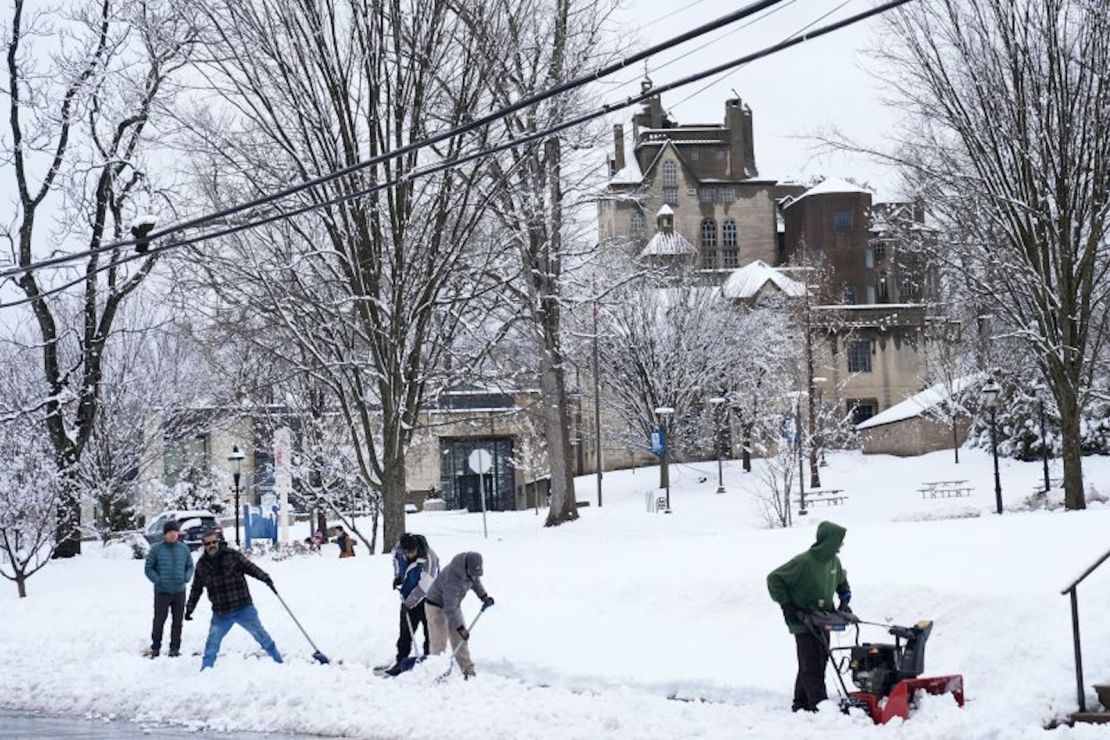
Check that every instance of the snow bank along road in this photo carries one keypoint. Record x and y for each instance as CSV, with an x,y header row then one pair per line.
x,y
599,622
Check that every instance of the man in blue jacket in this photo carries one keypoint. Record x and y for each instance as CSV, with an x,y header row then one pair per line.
x,y
169,566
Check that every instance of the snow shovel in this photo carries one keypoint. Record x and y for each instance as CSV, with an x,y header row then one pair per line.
x,y
455,652
407,664
320,657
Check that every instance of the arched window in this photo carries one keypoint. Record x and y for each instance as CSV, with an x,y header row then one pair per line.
x,y
708,243
670,175
637,224
728,233
709,233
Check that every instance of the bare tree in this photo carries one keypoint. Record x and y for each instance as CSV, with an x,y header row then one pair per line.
x,y
1006,103
363,294
79,129
537,211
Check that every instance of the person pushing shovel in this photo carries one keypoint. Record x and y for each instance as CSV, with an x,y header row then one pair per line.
x,y
801,586
443,602
222,571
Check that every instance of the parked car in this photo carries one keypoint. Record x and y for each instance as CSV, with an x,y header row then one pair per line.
x,y
193,526
410,508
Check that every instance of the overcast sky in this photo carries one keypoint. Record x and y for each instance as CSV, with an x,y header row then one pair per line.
x,y
815,85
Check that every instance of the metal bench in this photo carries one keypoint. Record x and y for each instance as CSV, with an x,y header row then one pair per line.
x,y
945,489
828,496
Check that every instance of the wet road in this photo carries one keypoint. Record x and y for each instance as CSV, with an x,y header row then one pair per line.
x,y
26,725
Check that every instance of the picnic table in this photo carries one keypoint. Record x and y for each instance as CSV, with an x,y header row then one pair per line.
x,y
827,496
944,489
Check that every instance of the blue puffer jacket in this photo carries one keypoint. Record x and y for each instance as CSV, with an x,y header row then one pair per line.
x,y
169,567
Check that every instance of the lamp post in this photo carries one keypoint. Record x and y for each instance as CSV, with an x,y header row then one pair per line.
x,y
664,413
799,435
818,384
990,393
716,403
236,460
1042,390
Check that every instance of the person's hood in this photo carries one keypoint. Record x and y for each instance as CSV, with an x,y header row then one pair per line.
x,y
829,538
473,564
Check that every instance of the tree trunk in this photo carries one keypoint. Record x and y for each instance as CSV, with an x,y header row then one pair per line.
x,y
68,531
955,440
392,494
556,419
21,584
1071,449
747,452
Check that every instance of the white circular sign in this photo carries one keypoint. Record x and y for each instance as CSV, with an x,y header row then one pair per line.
x,y
480,461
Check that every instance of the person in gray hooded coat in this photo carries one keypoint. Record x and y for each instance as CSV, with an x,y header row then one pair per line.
x,y
443,602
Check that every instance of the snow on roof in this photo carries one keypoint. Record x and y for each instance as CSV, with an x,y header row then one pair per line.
x,y
749,280
665,211
830,185
665,244
630,174
921,402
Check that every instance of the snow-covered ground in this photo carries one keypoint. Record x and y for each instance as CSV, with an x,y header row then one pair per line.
x,y
598,622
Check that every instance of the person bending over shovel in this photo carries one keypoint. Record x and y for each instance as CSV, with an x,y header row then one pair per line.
x,y
445,618
223,572
806,584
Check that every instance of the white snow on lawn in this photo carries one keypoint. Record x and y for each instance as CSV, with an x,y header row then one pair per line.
x,y
597,622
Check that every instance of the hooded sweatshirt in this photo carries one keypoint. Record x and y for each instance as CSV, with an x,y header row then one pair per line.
x,y
463,573
808,581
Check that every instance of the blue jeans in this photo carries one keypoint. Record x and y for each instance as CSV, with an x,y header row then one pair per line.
x,y
247,618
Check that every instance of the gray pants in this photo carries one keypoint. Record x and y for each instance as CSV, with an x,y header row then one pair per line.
x,y
163,603
439,631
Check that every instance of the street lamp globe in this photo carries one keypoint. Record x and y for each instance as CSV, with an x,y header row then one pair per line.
x,y
991,392
236,460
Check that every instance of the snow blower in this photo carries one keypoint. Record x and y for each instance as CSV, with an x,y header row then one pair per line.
x,y
887,676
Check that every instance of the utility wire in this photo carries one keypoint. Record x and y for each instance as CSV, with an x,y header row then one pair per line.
x,y
485,120
556,128
717,81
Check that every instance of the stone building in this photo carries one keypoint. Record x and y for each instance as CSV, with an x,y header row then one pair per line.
x,y
705,174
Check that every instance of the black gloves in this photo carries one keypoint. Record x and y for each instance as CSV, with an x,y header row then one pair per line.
x,y
189,616
790,613
487,602
270,582
464,633
397,582
846,612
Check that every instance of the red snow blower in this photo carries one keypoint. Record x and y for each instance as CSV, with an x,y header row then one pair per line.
x,y
887,676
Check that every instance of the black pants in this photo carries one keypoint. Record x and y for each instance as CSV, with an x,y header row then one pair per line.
x,y
809,687
416,617
164,603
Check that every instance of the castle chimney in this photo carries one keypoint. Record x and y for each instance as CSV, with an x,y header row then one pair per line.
x,y
738,130
618,148
749,144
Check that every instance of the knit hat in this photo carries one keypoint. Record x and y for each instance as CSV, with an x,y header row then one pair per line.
x,y
171,526
409,542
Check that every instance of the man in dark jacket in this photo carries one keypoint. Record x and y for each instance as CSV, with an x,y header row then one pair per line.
x,y
415,567
222,571
443,602
169,566
806,584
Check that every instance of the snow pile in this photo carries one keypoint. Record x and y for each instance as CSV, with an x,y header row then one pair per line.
x,y
597,623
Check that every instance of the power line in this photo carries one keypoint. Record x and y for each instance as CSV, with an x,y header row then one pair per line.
x,y
489,118
556,128
804,28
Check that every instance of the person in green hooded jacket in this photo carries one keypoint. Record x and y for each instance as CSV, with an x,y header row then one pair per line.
x,y
806,583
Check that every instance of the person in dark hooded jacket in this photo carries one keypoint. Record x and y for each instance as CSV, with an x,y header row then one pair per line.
x,y
443,606
804,584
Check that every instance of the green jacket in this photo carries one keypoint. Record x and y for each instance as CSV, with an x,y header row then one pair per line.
x,y
807,581
169,567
